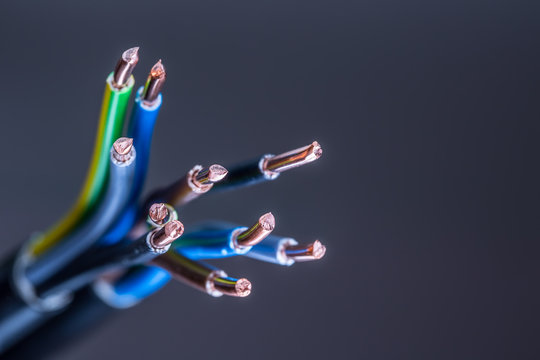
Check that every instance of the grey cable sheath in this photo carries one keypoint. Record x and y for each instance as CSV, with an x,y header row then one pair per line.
x,y
116,197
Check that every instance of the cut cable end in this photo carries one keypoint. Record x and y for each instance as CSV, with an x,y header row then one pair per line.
x,y
158,212
174,229
243,287
167,234
131,56
216,173
309,252
318,250
154,84
258,232
267,221
123,145
292,159
122,149
125,66
158,70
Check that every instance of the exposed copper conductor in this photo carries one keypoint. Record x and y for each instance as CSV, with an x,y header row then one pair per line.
x,y
292,159
122,149
201,276
154,83
219,283
211,175
167,234
158,213
232,287
257,232
125,67
201,180
313,251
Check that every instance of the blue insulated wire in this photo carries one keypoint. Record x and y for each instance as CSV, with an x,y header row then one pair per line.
x,y
141,129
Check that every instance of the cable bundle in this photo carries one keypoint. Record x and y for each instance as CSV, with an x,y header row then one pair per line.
x,y
112,250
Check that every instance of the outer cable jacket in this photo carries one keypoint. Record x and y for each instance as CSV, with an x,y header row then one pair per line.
x,y
17,319
111,123
83,315
115,199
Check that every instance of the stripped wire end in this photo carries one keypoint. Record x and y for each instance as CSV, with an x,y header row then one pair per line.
x,y
125,67
228,286
211,175
154,84
313,251
201,180
158,213
272,165
214,282
257,232
122,150
243,287
164,236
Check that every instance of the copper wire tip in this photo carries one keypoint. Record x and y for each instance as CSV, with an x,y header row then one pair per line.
x,y
243,287
122,149
154,83
158,70
218,283
211,175
257,232
313,251
292,159
166,235
125,67
158,213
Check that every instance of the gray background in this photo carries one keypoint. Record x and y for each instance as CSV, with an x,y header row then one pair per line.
x,y
426,194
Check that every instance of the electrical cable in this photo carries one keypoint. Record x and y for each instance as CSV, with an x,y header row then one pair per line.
x,y
122,168
286,251
88,266
223,243
145,112
274,249
141,128
233,240
111,250
196,182
268,167
86,313
119,85
17,317
126,289
201,276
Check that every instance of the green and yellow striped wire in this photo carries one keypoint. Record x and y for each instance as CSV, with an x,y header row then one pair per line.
x,y
111,124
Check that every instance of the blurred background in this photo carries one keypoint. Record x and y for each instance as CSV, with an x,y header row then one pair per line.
x,y
426,194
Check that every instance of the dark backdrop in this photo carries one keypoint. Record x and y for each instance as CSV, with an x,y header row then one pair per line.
x,y
426,194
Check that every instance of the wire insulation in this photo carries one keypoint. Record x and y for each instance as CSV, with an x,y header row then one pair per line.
x,y
111,123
